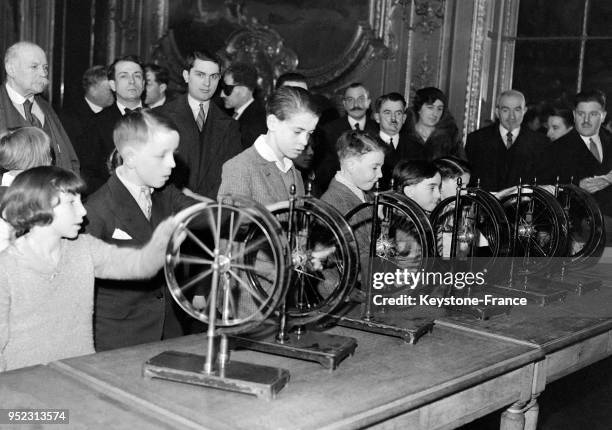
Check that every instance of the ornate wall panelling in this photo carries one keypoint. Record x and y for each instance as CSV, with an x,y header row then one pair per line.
x,y
332,44
426,53
491,58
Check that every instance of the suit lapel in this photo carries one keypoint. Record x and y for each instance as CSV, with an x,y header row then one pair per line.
x,y
128,212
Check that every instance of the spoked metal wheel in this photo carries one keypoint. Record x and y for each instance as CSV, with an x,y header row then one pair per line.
x,y
587,238
209,260
324,258
539,229
403,236
481,236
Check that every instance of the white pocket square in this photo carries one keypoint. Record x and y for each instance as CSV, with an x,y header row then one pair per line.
x,y
121,235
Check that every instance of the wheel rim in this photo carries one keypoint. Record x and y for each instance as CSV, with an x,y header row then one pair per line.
x,y
404,236
218,255
483,221
539,229
585,226
321,235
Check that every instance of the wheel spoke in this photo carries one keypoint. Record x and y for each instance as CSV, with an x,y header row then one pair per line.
x,y
252,246
196,279
247,287
192,259
199,242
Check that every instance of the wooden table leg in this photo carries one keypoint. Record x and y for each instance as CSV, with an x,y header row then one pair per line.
x,y
513,418
531,414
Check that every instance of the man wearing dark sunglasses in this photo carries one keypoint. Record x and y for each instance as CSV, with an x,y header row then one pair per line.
x,y
239,84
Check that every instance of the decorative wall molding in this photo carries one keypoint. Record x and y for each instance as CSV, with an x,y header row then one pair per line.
x,y
431,15
475,70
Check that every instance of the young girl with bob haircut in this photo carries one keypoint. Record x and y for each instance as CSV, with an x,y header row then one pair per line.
x,y
20,149
265,170
47,274
23,148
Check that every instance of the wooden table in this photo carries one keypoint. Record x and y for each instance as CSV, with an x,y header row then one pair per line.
x,y
449,378
571,335
44,387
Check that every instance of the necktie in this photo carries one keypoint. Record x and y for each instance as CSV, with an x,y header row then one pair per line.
x,y
391,143
145,201
594,150
357,126
509,141
201,117
32,119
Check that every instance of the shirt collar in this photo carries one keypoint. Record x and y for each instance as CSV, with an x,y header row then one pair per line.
x,y
160,102
131,187
262,147
504,133
238,112
353,121
386,138
94,107
348,184
15,97
122,108
195,106
9,177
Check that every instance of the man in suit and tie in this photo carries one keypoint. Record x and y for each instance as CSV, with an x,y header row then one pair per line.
x,y
390,114
208,136
21,105
126,80
239,84
78,117
584,155
505,152
157,79
356,102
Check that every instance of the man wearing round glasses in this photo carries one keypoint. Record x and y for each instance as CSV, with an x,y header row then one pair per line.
x,y
239,84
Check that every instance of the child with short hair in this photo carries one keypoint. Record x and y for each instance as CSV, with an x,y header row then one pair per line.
x,y
20,149
265,170
47,274
125,211
419,180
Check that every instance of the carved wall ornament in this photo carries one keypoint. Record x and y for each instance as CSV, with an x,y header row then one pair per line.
x,y
431,14
239,28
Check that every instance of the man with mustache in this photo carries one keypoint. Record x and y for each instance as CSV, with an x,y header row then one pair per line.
x,y
390,114
504,152
585,153
21,104
356,102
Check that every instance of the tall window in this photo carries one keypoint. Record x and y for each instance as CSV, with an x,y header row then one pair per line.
x,y
562,47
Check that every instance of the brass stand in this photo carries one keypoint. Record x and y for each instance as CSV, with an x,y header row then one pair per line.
x,y
261,381
481,312
397,322
326,349
539,291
